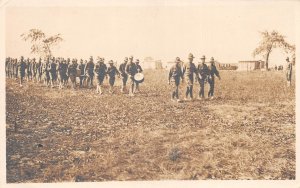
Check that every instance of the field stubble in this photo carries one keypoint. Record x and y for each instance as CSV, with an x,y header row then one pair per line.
x,y
247,132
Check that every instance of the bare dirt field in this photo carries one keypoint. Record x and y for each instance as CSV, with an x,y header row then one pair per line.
x,y
246,132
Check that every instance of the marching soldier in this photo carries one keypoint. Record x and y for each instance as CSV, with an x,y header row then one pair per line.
x,y
288,73
39,67
34,69
111,72
16,68
89,69
174,79
72,71
122,70
131,70
29,69
189,69
203,72
82,73
100,70
139,70
46,69
211,78
22,67
53,72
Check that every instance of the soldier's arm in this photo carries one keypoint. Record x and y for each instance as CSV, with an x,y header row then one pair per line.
x,y
217,73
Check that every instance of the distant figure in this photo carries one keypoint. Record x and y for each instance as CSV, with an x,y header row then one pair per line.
x,y
34,70
53,72
288,72
189,69
39,67
275,67
82,73
111,72
139,70
72,72
131,70
211,78
174,79
122,70
203,72
29,69
22,67
89,69
100,70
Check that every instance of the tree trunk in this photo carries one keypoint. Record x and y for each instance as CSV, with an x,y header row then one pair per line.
x,y
267,61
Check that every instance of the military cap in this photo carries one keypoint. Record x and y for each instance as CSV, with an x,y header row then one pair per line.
x,y
287,59
111,62
203,57
212,59
177,60
131,57
137,60
191,56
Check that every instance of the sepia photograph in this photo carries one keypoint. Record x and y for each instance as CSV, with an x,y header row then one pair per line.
x,y
99,91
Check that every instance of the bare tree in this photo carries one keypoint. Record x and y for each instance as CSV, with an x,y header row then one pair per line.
x,y
269,42
41,44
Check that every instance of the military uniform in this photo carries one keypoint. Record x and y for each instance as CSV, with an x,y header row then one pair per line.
x,y
211,78
22,67
100,70
29,69
90,71
175,74
34,69
111,72
82,73
122,70
189,69
131,70
203,72
39,67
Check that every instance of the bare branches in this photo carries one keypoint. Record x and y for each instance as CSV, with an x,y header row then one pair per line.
x,y
41,44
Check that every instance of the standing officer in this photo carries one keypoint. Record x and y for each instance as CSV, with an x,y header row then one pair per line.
x,y
111,72
34,69
203,72
189,69
122,70
100,70
89,69
139,70
174,79
289,68
211,78
39,67
131,70
53,72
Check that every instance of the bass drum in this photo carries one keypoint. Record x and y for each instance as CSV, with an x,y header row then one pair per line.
x,y
139,77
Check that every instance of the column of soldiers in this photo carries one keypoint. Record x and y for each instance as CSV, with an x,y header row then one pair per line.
x,y
188,73
60,71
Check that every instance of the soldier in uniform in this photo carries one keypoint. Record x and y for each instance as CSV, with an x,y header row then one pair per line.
x,y
211,78
16,68
189,69
39,67
288,72
29,69
122,70
139,70
34,69
22,67
203,71
89,69
7,62
46,69
174,79
53,72
131,70
72,71
82,73
100,70
111,72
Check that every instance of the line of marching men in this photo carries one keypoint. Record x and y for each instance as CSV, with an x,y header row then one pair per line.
x,y
58,71
187,72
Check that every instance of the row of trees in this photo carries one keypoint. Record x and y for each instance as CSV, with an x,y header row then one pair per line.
x,y
42,45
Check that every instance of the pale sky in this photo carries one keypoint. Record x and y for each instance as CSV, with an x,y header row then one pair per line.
x,y
227,31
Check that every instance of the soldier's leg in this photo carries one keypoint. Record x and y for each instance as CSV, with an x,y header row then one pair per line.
x,y
201,92
191,91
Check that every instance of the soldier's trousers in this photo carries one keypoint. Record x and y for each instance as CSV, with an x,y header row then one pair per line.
x,y
201,92
175,85
211,87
